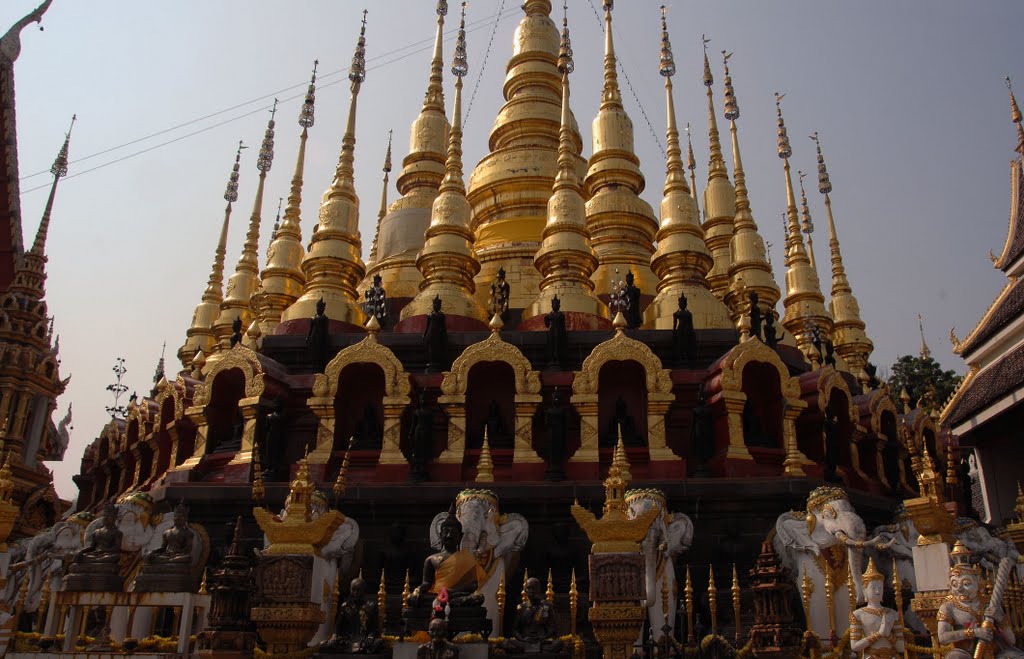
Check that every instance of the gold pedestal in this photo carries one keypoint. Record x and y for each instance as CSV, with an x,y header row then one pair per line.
x,y
617,625
287,630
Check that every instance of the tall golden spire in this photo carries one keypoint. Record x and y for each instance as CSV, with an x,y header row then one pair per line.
x,y
199,337
682,260
283,278
446,260
246,279
1016,117
333,266
719,198
30,278
565,258
510,187
926,353
806,224
848,333
400,233
622,225
383,205
750,271
804,302
691,164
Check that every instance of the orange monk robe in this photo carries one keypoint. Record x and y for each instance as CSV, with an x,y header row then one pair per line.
x,y
459,572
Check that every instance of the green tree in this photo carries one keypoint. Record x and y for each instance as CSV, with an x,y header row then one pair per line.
x,y
924,380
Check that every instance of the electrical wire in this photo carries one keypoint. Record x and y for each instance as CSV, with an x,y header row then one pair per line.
x,y
478,24
483,66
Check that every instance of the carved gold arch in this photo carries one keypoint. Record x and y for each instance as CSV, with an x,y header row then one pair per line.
x,y
879,404
238,357
621,348
492,349
753,350
830,380
181,400
367,351
163,392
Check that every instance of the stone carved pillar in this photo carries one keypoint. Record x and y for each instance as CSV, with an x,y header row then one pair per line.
x,y
586,407
526,406
657,408
455,450
323,408
237,470
391,448
795,459
734,402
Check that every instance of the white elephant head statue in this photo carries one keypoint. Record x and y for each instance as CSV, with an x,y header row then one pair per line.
x,y
485,530
829,527
983,546
668,536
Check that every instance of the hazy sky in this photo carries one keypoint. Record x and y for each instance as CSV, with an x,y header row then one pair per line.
x,y
908,97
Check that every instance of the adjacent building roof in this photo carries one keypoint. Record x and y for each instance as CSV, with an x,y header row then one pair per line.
x,y
1014,247
983,388
1008,305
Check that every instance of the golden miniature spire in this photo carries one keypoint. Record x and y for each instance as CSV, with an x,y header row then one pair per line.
x,y
566,258
30,277
510,187
806,225
549,594
848,333
383,206
333,266
283,278
682,260
749,270
804,302
622,225
691,164
200,334
447,261
485,466
400,233
1015,115
925,352
245,281
719,198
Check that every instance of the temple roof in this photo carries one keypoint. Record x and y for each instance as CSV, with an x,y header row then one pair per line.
x,y
1008,305
1014,247
982,388
11,246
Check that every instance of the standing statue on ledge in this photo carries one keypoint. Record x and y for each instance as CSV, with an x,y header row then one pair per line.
x,y
634,318
830,353
236,331
535,626
318,340
435,337
558,339
376,303
702,434
831,436
558,430
500,293
962,620
421,433
684,338
816,341
771,338
275,467
755,316
355,630
875,630
438,647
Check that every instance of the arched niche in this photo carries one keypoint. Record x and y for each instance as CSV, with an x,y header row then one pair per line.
x,y
526,397
725,385
491,404
329,387
359,407
225,408
762,411
657,387
622,401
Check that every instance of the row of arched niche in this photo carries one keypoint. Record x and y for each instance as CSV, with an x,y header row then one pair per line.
x,y
766,421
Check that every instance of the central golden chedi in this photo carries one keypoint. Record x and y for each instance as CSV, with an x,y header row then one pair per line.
x,y
509,189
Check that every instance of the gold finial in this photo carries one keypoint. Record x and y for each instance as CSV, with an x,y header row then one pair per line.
x,y
610,95
667,66
406,591
830,605
485,466
382,603
851,593
500,597
736,603
905,399
785,150
307,114
526,577
806,225
713,599
619,322
496,323
754,270
339,482
1015,116
951,477
573,602
871,573
202,584
925,352
691,164
549,594
373,326
806,590
259,492
688,593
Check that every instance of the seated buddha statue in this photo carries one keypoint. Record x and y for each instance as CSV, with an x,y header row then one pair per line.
x,y
452,570
169,568
535,627
96,566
